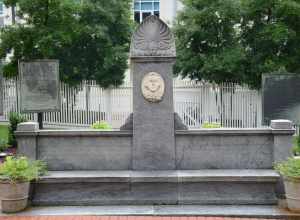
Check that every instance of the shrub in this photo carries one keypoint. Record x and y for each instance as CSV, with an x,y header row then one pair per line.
x,y
296,145
21,169
3,145
14,120
289,168
102,125
211,125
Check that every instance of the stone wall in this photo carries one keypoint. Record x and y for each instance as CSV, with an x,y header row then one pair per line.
x,y
199,149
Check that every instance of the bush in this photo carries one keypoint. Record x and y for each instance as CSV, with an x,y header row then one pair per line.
x,y
14,120
296,147
289,168
101,125
211,125
21,169
3,145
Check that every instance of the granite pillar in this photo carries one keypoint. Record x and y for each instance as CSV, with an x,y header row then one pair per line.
x,y
152,58
27,143
282,148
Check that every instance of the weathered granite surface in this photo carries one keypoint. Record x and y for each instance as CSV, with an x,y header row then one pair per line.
x,y
157,187
39,87
242,211
153,52
178,123
195,149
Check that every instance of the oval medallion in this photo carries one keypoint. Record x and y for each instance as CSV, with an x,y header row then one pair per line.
x,y
153,87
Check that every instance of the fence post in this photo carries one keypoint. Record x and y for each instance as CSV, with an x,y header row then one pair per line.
x,y
108,105
87,101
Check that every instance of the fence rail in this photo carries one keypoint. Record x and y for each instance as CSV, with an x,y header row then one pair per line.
x,y
196,103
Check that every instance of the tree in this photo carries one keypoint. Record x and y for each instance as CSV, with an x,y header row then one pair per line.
x,y
89,37
207,41
230,40
271,35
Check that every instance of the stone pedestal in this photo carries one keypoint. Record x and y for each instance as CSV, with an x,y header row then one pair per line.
x,y
152,58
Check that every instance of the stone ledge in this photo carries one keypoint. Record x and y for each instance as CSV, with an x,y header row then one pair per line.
x,y
235,131
258,211
161,176
76,133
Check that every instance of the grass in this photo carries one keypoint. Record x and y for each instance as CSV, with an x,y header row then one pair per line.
x,y
4,132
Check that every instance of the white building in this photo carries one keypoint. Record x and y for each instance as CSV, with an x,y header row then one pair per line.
x,y
5,15
165,9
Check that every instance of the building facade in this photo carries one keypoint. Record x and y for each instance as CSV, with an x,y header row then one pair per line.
x,y
165,9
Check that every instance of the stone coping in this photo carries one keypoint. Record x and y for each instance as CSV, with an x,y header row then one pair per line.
x,y
236,131
76,133
139,212
174,176
214,131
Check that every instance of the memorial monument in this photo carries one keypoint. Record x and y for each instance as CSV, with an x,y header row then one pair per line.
x,y
281,97
153,159
39,87
152,57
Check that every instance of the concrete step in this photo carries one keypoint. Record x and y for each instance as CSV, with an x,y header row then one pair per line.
x,y
202,187
241,211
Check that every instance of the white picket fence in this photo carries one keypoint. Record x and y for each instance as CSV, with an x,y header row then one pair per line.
x,y
196,103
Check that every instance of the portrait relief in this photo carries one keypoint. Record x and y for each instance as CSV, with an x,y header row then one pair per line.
x,y
153,87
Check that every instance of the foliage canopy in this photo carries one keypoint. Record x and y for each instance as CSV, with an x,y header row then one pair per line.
x,y
89,37
230,40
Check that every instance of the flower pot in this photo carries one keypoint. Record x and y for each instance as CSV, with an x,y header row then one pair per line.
x,y
13,196
292,191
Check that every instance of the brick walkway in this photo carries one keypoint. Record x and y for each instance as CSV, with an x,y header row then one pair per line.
x,y
122,218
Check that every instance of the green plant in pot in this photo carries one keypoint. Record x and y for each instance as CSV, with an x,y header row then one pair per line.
x,y
16,173
290,171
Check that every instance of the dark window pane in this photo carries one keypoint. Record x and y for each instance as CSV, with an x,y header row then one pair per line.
x,y
137,17
156,6
147,6
137,6
146,14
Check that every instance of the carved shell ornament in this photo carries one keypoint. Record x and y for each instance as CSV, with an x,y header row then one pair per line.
x,y
153,87
153,38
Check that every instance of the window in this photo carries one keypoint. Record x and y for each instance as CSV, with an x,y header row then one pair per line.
x,y
144,8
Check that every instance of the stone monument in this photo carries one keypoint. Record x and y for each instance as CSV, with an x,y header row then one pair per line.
x,y
39,89
281,97
152,56
151,161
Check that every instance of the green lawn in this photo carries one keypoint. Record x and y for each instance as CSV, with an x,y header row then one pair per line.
x,y
4,132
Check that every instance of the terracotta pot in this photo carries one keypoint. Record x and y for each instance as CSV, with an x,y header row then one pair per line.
x,y
13,196
292,191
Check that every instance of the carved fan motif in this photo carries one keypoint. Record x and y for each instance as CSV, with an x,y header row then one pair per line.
x,y
153,38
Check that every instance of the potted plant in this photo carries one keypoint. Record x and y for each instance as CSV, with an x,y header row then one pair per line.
x,y
15,176
290,170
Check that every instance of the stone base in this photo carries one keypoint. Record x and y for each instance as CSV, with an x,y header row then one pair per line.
x,y
237,211
179,125
202,187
